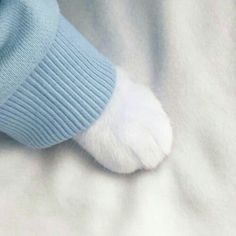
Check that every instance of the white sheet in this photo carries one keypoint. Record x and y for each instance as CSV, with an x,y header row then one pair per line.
x,y
184,50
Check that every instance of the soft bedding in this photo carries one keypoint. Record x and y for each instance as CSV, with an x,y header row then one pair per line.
x,y
185,51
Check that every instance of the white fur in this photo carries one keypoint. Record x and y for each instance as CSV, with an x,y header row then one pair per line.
x,y
132,133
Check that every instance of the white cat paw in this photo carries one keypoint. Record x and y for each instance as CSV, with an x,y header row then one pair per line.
x,y
132,133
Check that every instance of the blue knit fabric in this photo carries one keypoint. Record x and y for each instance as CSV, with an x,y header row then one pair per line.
x,y
27,29
62,96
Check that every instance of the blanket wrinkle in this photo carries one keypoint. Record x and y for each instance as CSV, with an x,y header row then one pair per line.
x,y
186,52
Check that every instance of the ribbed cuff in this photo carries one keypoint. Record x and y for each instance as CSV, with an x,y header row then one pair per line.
x,y
64,94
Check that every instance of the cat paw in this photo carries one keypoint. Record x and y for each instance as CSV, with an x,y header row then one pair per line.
x,y
133,131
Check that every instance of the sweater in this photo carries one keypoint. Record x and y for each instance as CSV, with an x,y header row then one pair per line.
x,y
53,83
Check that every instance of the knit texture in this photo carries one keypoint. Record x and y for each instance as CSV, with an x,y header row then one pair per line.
x,y
64,94
27,29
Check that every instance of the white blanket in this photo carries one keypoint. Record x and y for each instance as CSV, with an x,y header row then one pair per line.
x,y
184,50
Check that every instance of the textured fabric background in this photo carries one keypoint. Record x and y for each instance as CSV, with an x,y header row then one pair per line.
x,y
186,52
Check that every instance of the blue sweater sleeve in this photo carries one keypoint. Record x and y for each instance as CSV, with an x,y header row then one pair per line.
x,y
27,29
53,82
